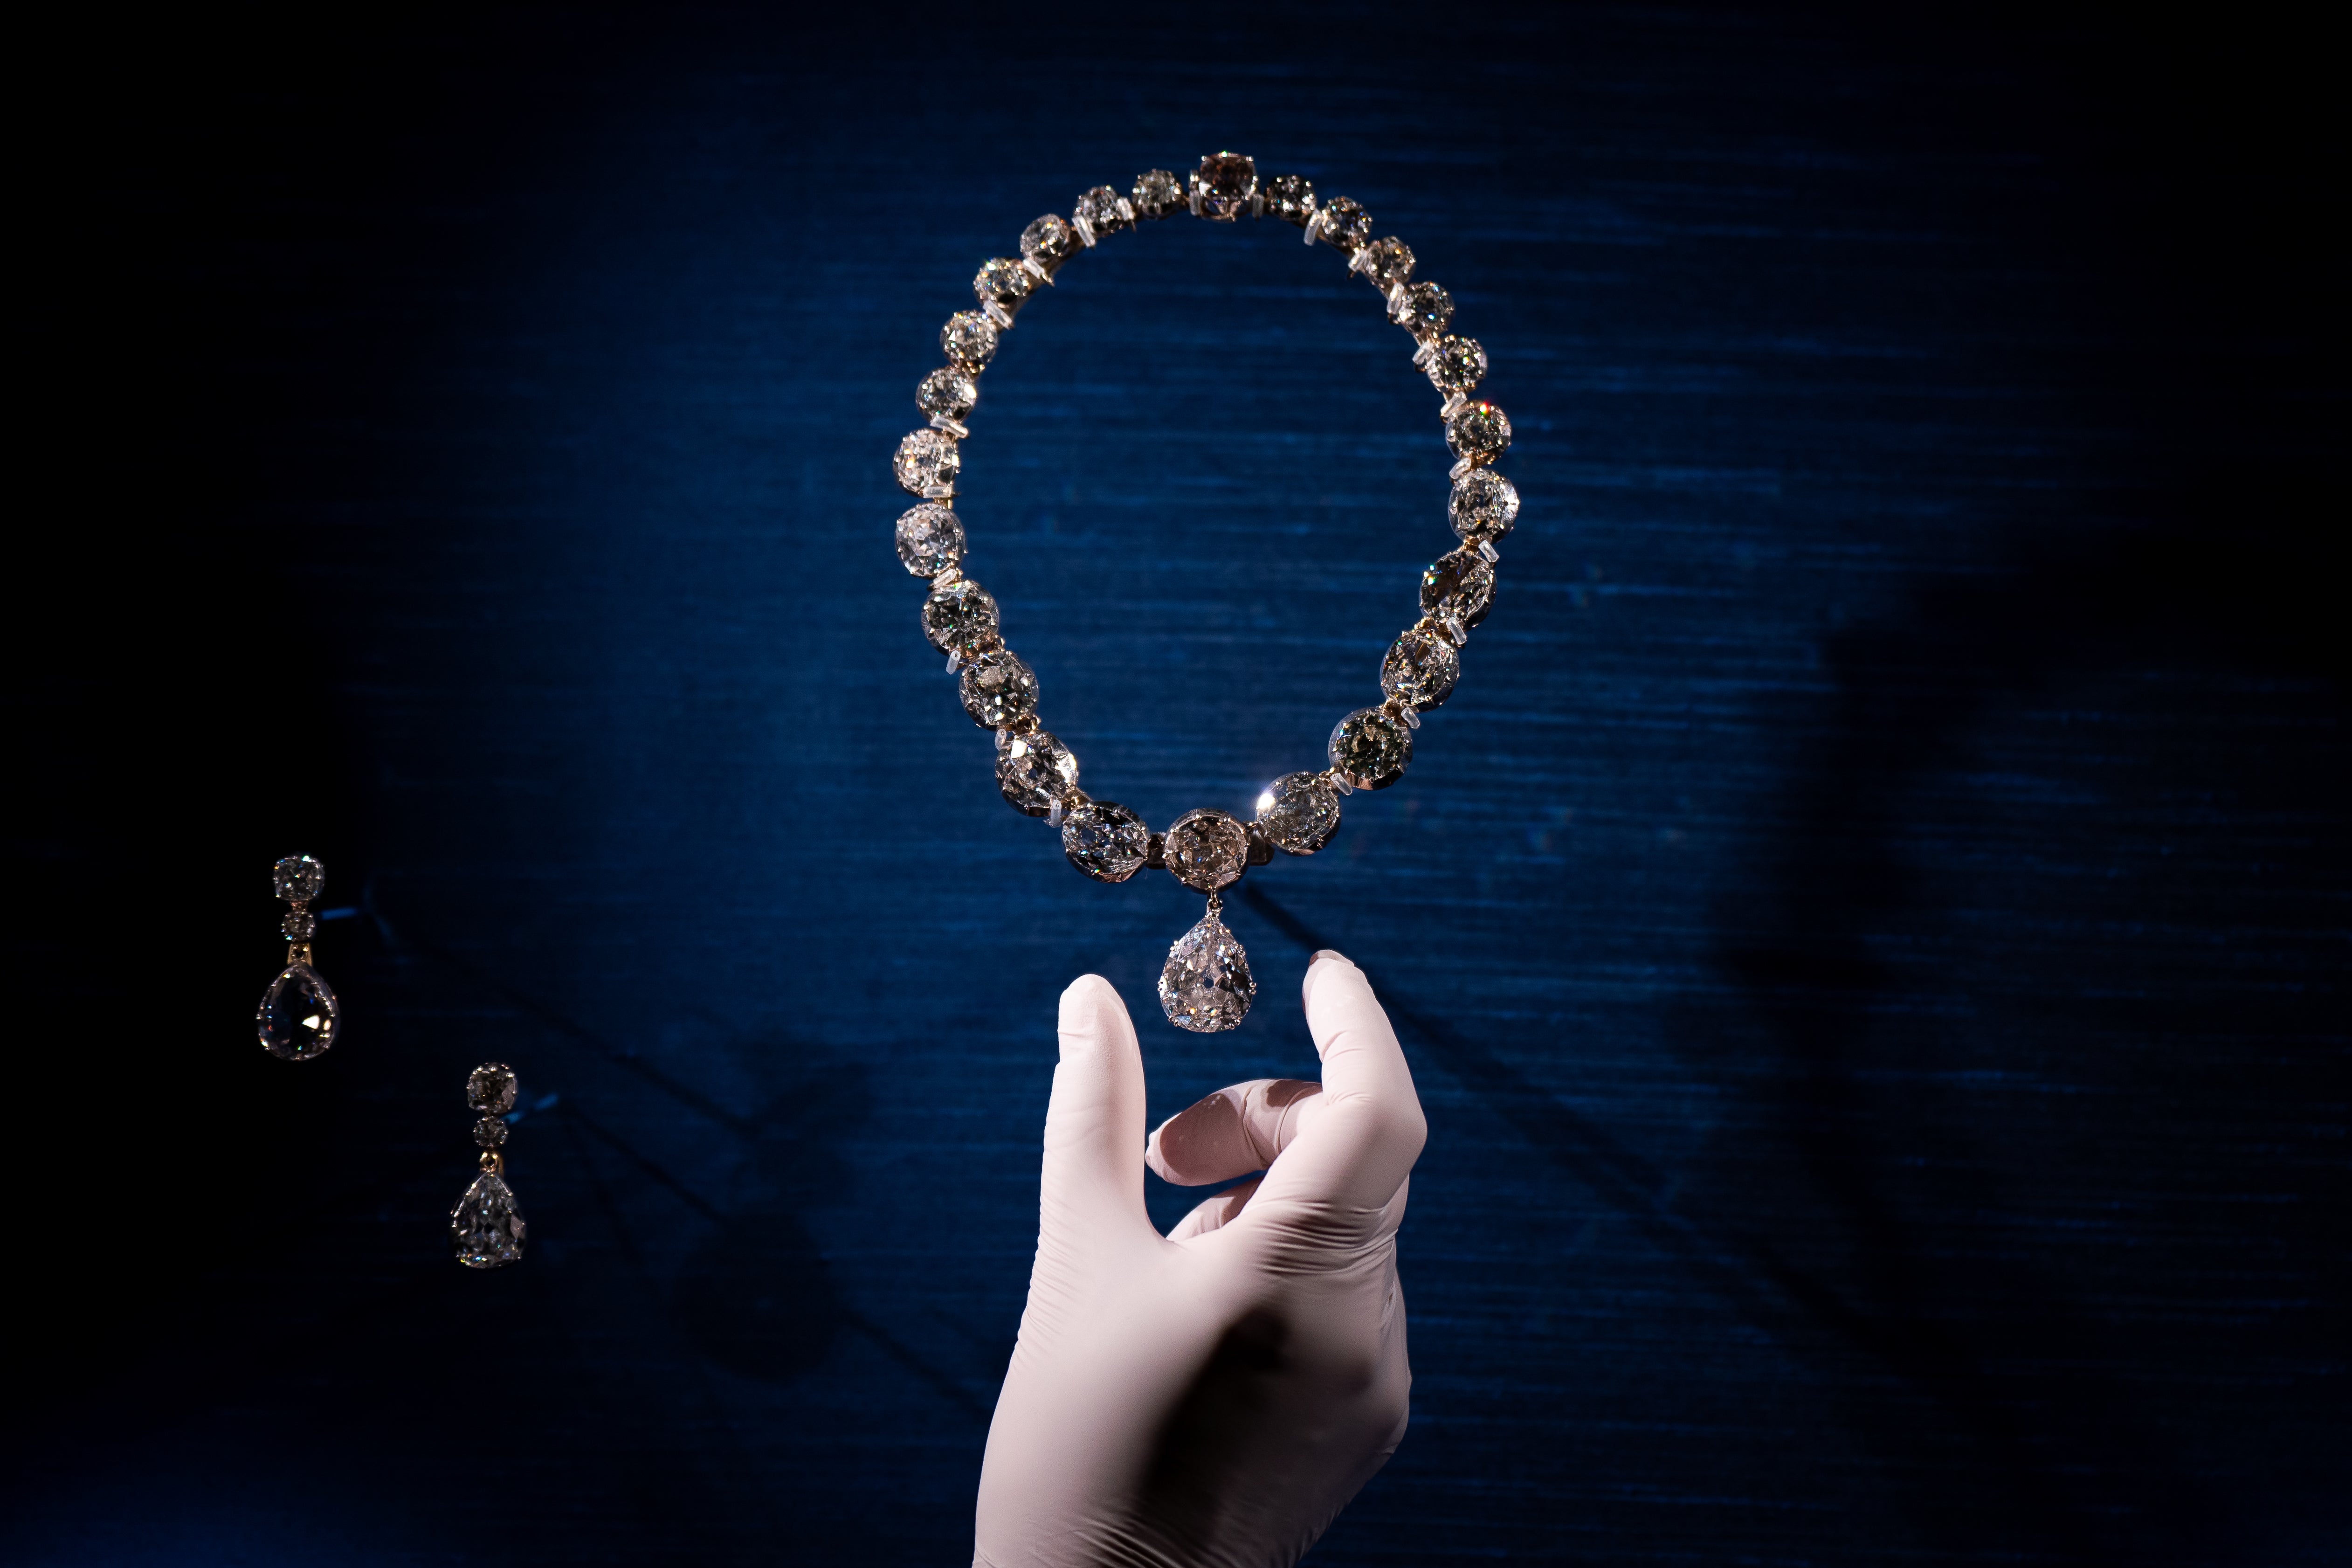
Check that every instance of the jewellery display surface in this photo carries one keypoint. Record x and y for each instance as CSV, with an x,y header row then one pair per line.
x,y
299,1017
1206,985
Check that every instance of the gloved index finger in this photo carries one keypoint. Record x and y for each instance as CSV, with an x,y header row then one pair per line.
x,y
1368,1131
1239,1129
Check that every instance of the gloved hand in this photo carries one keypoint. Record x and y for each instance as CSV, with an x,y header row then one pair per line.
x,y
1216,1396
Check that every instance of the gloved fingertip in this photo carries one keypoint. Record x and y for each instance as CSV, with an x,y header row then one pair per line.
x,y
1325,962
1092,1017
1082,1001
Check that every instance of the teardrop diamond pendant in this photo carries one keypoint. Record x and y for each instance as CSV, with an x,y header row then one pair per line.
x,y
486,1227
299,1013
1206,987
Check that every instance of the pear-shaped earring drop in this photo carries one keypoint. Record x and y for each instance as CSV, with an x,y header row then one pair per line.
x,y
300,1017
486,1227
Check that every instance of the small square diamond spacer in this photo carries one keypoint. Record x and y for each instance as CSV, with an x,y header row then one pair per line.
x,y
1029,264
1486,549
941,422
1454,405
1086,232
998,314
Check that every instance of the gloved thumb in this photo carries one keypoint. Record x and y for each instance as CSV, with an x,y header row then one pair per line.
x,y
1092,1189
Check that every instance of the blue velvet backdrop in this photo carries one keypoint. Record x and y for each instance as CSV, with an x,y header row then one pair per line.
x,y
1869,930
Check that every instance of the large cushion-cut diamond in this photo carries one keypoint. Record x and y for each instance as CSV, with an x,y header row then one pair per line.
x,y
1223,183
1157,193
1371,748
1049,242
1458,365
1485,505
1425,310
931,540
999,690
1421,667
1002,282
1479,432
969,339
1459,585
1099,207
948,393
1291,198
1299,812
960,617
1106,840
1207,849
927,463
1033,771
1387,262
1343,225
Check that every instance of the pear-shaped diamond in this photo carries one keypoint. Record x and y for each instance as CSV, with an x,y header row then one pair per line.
x,y
486,1227
299,1014
1206,987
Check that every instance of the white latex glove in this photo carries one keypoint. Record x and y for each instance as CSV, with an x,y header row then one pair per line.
x,y
1212,1396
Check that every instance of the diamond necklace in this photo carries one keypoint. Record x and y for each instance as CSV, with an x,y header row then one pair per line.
x,y
1206,985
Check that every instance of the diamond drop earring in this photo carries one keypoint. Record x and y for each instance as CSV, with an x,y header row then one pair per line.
x,y
300,1017
486,1227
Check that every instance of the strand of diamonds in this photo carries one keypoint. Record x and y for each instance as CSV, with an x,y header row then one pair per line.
x,y
1207,984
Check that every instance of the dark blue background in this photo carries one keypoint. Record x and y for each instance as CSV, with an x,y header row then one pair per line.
x,y
1869,930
